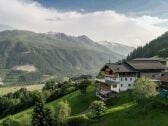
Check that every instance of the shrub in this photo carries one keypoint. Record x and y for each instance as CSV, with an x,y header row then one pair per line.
x,y
63,112
97,108
81,120
10,121
144,91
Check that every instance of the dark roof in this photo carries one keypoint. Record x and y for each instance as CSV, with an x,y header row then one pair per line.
x,y
146,65
150,59
120,67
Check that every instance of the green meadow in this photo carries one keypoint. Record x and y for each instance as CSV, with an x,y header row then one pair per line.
x,y
122,111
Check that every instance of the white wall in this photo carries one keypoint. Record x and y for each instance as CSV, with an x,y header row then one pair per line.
x,y
116,89
121,81
124,84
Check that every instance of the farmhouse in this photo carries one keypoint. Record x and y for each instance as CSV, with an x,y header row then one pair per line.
x,y
116,77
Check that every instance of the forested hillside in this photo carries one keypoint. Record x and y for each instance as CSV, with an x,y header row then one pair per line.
x,y
157,47
26,56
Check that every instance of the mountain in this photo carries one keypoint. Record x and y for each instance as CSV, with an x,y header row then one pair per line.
x,y
157,47
5,27
27,57
116,47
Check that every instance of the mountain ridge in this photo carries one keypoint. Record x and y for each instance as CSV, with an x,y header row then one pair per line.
x,y
51,54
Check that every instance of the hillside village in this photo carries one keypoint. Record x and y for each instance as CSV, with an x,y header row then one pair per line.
x,y
116,77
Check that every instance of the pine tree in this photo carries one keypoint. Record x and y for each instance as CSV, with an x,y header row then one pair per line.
x,y
42,116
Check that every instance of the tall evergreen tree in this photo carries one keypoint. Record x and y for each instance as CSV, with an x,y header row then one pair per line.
x,y
42,116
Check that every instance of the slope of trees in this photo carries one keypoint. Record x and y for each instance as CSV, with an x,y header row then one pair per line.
x,y
157,47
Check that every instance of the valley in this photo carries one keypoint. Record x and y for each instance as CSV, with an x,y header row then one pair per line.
x,y
26,57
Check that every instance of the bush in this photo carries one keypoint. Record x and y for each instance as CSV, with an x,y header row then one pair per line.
x,y
144,91
81,120
10,121
97,108
63,112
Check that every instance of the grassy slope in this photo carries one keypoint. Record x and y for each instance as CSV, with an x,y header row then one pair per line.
x,y
124,112
128,115
77,102
5,90
121,111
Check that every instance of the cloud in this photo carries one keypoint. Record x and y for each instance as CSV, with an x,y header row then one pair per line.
x,y
99,25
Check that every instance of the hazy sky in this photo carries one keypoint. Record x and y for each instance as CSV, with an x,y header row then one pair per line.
x,y
130,22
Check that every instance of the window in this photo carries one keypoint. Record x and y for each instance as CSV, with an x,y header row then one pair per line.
x,y
153,76
115,86
121,85
121,79
130,79
129,85
125,79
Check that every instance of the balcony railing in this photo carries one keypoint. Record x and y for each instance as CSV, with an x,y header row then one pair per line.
x,y
105,96
106,81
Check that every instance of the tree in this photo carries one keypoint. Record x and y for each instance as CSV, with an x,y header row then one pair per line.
x,y
163,53
144,90
42,116
97,108
50,85
83,86
49,114
62,113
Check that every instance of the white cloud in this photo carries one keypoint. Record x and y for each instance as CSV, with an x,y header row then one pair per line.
x,y
100,25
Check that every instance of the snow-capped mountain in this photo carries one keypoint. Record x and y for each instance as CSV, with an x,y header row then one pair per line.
x,y
117,47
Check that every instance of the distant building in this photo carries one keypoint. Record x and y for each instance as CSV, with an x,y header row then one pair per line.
x,y
116,77
66,79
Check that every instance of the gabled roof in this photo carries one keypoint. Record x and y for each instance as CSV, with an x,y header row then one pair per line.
x,y
120,67
150,59
146,65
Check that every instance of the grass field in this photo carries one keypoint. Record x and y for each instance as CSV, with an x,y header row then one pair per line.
x,y
122,111
77,102
5,90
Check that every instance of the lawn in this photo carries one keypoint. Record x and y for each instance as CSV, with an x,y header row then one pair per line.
x,y
130,115
5,90
123,111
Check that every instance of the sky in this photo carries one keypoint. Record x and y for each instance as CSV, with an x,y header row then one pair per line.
x,y
129,22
